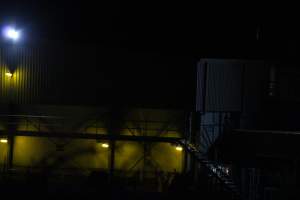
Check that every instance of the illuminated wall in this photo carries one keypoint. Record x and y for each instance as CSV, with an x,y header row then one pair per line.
x,y
42,79
51,75
161,157
59,153
29,75
3,155
88,154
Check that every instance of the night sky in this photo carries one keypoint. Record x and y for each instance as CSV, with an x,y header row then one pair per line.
x,y
189,29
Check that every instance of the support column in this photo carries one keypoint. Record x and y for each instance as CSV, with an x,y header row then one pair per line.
x,y
113,129
11,141
112,145
192,165
11,128
272,82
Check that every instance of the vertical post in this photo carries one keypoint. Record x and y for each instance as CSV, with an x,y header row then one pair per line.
x,y
272,82
145,152
144,161
186,136
11,126
11,131
193,122
11,142
112,145
115,123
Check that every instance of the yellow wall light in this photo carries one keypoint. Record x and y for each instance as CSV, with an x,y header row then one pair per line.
x,y
3,140
105,145
179,148
8,74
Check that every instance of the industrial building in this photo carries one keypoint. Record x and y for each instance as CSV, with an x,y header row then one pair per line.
x,y
161,101
65,127
66,123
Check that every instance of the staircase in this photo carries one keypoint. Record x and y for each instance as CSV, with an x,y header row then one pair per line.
x,y
216,170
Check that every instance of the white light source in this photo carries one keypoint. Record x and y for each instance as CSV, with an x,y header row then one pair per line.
x,y
105,145
3,140
11,33
8,74
179,148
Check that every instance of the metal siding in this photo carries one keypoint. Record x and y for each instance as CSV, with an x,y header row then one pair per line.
x,y
223,87
32,81
201,85
83,76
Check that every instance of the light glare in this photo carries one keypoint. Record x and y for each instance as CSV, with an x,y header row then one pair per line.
x,y
11,33
8,74
179,148
3,140
105,145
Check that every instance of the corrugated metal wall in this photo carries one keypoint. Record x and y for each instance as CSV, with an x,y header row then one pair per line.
x,y
222,84
223,92
97,76
33,75
229,85
91,75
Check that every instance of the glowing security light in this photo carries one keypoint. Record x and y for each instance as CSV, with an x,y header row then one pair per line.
x,y
227,171
105,145
8,74
11,33
179,148
3,140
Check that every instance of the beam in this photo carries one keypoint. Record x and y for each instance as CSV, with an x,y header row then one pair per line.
x,y
11,143
241,131
94,136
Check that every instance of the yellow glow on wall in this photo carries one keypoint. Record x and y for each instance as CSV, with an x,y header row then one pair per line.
x,y
15,85
127,155
77,153
30,125
167,158
3,140
4,82
3,154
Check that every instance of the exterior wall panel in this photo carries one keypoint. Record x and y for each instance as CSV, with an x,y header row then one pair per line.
x,y
30,78
80,154
229,85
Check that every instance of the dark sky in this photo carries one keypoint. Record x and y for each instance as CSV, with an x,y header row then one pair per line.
x,y
193,29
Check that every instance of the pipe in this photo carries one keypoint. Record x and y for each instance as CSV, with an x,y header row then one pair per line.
x,y
272,82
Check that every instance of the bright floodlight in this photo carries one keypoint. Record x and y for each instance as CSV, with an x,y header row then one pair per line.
x,y
179,148
3,140
8,74
105,145
11,33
